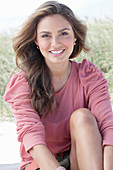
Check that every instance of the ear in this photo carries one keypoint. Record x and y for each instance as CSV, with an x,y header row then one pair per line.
x,y
75,39
36,43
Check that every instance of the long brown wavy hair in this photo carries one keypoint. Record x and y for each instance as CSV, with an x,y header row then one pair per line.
x,y
32,62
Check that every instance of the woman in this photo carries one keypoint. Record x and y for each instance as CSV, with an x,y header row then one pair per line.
x,y
62,108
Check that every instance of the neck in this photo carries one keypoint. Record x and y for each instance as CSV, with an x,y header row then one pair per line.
x,y
59,70
60,74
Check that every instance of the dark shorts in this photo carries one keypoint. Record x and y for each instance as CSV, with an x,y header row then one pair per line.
x,y
64,160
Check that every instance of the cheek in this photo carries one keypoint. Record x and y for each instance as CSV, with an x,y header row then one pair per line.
x,y
69,42
43,45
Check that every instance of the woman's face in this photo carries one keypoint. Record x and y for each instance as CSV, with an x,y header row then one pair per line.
x,y
55,38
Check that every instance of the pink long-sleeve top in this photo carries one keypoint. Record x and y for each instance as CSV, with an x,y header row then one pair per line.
x,y
86,87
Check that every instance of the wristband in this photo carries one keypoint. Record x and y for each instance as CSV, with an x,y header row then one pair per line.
x,y
60,168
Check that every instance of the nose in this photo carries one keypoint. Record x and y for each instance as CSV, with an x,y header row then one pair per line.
x,y
55,41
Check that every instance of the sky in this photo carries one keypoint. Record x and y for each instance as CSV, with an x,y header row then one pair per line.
x,y
25,7
14,12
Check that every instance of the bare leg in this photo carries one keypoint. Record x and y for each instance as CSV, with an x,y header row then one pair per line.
x,y
86,141
73,156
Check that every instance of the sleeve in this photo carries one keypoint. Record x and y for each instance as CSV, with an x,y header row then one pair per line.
x,y
30,129
98,100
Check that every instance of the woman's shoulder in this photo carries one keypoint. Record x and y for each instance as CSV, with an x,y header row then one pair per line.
x,y
19,77
20,74
91,76
88,65
17,84
86,68
89,69
88,72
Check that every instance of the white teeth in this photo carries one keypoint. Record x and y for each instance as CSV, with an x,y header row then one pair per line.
x,y
56,52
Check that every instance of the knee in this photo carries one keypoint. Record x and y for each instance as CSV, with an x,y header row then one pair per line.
x,y
82,117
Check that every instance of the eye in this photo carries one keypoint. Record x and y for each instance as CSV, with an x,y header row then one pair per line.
x,y
45,36
64,33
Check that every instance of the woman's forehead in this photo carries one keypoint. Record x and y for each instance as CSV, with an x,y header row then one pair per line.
x,y
53,22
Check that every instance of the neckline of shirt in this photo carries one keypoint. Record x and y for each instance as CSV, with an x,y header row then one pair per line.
x,y
61,91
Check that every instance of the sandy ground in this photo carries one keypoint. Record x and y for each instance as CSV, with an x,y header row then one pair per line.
x,y
9,146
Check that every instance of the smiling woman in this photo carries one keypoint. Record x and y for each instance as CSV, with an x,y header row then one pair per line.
x,y
33,33
62,108
56,39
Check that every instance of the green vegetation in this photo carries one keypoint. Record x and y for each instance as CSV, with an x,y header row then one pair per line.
x,y
100,39
7,67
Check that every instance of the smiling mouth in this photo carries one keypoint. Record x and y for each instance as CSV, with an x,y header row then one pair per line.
x,y
57,52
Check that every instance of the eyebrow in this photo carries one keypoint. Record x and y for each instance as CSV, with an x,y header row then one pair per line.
x,y
47,32
64,29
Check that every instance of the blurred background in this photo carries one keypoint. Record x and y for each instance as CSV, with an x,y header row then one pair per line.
x,y
98,16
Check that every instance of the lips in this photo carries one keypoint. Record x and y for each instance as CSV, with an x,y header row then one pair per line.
x,y
56,51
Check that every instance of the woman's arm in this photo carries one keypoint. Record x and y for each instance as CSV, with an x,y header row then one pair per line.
x,y
98,100
30,130
44,158
108,158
